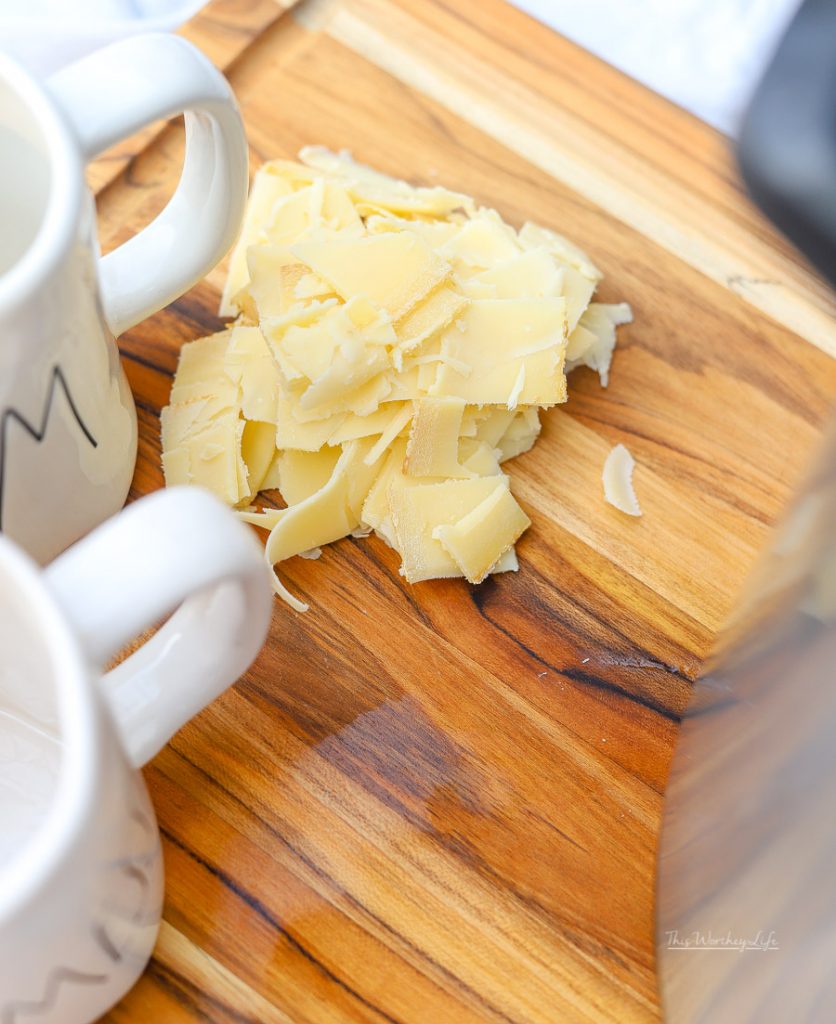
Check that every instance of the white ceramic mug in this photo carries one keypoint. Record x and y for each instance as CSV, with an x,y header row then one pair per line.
x,y
67,418
80,861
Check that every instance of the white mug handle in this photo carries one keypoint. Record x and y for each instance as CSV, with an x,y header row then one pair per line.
x,y
179,548
121,88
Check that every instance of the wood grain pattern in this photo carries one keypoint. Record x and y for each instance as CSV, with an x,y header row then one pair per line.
x,y
440,803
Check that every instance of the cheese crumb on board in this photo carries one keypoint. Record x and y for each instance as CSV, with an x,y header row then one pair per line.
x,y
618,481
392,349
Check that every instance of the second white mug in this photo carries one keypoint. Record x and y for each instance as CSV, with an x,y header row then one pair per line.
x,y
80,860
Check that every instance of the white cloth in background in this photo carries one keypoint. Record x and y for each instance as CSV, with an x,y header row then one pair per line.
x,y
703,54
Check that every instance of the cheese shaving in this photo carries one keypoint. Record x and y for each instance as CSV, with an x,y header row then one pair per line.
x,y
393,348
618,481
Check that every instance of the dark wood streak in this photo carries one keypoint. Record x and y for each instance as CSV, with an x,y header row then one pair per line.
x,y
577,674
150,364
401,938
263,912
191,998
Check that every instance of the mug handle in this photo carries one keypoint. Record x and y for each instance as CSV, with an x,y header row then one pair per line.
x,y
175,549
115,91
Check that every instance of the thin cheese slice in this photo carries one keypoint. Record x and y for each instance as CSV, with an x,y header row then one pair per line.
x,y
433,446
532,236
302,474
377,189
397,424
326,515
258,446
482,242
527,275
376,511
522,432
618,481
306,437
394,270
417,511
248,363
210,459
274,274
479,458
266,189
433,313
480,338
601,320
478,540
200,368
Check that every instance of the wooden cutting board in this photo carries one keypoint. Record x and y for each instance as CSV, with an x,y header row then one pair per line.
x,y
441,803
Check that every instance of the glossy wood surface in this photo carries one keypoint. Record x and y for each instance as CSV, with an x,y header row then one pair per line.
x,y
440,803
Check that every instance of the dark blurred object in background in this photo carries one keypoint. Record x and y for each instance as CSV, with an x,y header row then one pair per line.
x,y
747,862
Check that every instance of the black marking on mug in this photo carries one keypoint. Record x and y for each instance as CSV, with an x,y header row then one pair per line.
x,y
15,1012
105,943
142,820
38,432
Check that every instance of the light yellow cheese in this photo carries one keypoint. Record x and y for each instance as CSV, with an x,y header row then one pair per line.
x,y
580,340
528,275
496,337
376,512
248,364
507,563
306,437
492,427
210,459
522,432
578,290
479,458
380,190
482,242
266,189
326,515
295,215
302,474
600,320
617,478
433,446
258,446
531,236
274,273
394,270
353,427
400,418
181,421
394,346
434,232
271,477
433,313
477,541
324,399
338,210
200,369
417,511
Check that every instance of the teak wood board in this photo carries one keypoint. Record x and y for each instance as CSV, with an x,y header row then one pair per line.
x,y
441,803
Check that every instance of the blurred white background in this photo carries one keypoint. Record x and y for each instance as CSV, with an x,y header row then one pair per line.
x,y
703,54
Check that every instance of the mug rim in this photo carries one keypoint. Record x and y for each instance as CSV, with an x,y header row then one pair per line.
x,y
42,853
64,198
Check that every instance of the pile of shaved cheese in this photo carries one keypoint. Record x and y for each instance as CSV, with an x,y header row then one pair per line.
x,y
393,347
